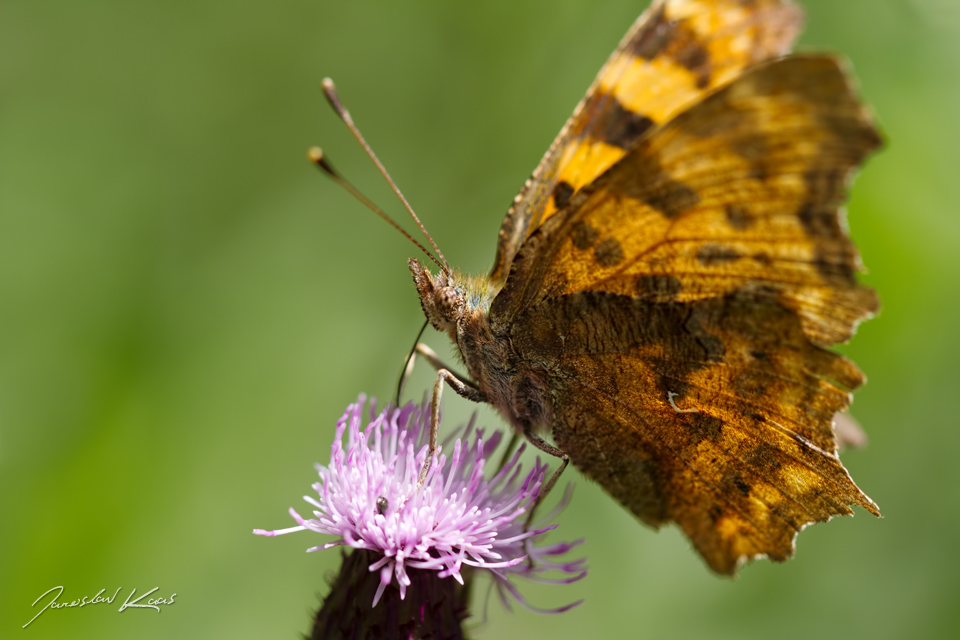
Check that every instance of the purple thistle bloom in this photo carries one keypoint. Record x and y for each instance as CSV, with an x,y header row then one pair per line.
x,y
459,518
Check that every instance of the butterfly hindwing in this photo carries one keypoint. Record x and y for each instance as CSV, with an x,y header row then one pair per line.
x,y
675,53
680,303
715,414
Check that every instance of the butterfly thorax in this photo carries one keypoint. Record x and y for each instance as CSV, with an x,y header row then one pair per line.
x,y
459,306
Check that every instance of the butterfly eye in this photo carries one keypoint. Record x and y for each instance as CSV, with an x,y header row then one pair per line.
x,y
448,302
382,505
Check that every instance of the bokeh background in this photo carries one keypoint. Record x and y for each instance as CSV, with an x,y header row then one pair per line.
x,y
186,306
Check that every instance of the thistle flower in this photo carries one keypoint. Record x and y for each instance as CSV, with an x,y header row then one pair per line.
x,y
458,520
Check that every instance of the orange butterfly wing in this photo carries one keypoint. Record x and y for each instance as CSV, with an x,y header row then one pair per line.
x,y
679,304
674,54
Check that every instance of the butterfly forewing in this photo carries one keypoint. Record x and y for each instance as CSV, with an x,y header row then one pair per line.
x,y
743,190
673,55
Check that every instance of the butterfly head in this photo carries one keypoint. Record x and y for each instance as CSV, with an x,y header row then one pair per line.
x,y
441,296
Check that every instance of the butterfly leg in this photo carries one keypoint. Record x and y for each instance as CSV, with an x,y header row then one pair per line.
x,y
431,356
408,365
464,390
548,448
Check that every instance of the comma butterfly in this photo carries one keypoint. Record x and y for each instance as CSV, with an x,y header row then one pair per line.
x,y
667,281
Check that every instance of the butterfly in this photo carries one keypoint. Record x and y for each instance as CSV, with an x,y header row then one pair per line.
x,y
668,281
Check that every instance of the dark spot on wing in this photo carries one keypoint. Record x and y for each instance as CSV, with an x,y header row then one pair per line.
x,y
677,40
562,194
845,127
835,271
608,253
742,486
671,198
819,221
711,255
818,214
619,126
584,236
718,118
759,355
765,457
690,54
703,426
739,216
826,185
654,38
750,383
650,184
658,286
755,149
712,346
763,259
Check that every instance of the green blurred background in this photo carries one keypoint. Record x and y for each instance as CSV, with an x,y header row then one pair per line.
x,y
186,307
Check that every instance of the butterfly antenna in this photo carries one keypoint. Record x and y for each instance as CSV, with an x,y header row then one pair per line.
x,y
330,91
317,157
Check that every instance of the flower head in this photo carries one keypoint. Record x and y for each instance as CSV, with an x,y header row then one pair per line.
x,y
368,498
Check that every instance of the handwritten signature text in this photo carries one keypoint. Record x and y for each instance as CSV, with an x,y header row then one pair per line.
x,y
129,603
